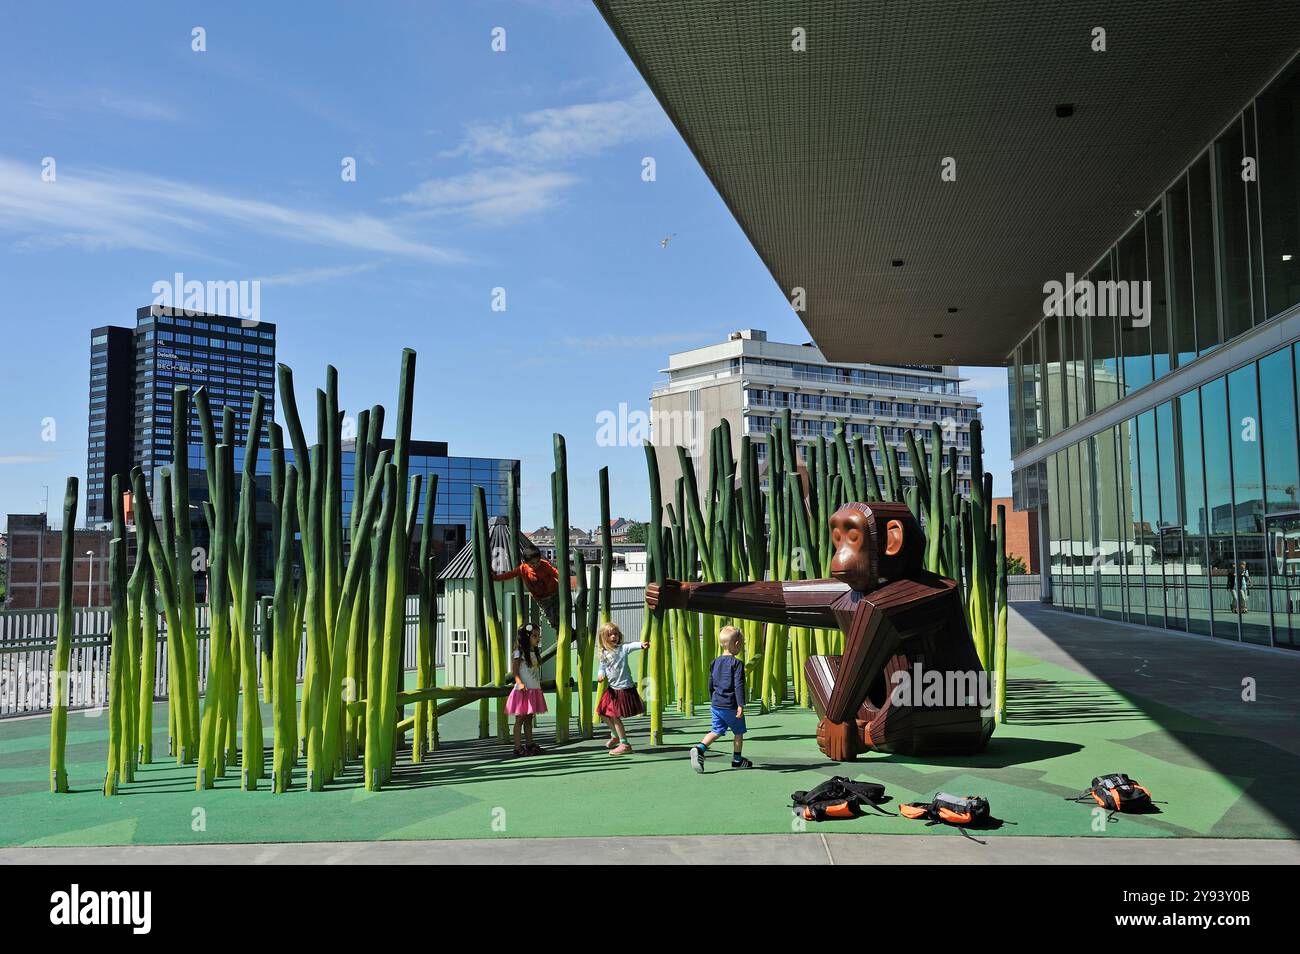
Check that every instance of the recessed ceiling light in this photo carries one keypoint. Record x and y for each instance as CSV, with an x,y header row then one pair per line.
x,y
952,311
1286,256
897,263
1064,110
938,334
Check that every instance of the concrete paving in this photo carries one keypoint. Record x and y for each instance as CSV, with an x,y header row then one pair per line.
x,y
1199,675
810,848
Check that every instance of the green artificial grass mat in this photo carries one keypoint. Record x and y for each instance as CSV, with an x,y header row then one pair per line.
x,y
1064,728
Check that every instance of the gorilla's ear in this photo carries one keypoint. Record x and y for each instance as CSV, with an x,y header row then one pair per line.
x,y
894,538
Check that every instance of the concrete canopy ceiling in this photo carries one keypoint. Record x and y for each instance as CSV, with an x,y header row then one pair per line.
x,y
830,159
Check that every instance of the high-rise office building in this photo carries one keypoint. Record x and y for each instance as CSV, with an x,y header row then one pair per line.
x,y
132,376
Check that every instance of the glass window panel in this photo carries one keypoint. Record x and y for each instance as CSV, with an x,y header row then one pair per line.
x,y
1135,539
1110,538
1156,265
1253,219
1172,544
1106,389
1178,248
1054,530
1055,394
1086,599
1204,286
1234,243
1148,480
1195,554
1135,340
1278,432
1277,124
1247,501
1078,330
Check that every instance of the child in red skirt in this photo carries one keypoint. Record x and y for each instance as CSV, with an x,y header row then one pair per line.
x,y
619,699
526,699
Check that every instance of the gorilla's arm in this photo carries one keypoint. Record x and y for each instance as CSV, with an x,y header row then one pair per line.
x,y
801,603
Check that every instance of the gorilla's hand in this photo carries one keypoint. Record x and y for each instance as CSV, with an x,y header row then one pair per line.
x,y
839,741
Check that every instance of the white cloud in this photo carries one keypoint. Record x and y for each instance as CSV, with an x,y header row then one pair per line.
x,y
311,276
109,101
108,209
493,194
565,132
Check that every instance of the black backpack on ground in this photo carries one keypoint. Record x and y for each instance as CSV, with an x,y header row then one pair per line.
x,y
968,811
1117,793
838,797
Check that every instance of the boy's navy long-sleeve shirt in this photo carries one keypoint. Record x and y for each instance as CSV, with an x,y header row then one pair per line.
x,y
727,683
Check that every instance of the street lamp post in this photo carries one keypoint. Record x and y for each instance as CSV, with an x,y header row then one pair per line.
x,y
90,585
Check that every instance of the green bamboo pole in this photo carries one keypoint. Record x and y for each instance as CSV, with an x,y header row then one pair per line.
x,y
125,685
336,695
220,666
1000,645
398,556
144,621
563,695
375,753
978,601
63,645
117,652
512,519
488,597
654,696
606,550
252,755
428,602
162,555
285,659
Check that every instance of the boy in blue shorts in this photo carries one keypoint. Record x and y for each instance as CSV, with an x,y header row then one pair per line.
x,y
726,700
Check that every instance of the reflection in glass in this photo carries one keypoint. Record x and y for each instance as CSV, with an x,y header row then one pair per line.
x,y
1234,242
1195,553
1204,290
1278,431
1135,338
1247,502
1110,542
1160,342
1148,480
1172,545
1278,127
1178,246
1218,505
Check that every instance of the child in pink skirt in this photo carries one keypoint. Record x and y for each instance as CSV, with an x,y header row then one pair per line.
x,y
526,698
619,699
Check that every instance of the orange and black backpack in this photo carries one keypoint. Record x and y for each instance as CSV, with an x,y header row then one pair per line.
x,y
838,797
970,811
1117,793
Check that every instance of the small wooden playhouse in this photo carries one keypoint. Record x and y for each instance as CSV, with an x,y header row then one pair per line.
x,y
460,629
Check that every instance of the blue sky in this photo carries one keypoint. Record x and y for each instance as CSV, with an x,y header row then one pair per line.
x,y
475,170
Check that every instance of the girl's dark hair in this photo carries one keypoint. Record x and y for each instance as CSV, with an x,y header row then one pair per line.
x,y
528,653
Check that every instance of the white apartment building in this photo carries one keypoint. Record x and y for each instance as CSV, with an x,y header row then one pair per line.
x,y
749,381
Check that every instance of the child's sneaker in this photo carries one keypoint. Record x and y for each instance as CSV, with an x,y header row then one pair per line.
x,y
697,758
613,741
621,749
741,763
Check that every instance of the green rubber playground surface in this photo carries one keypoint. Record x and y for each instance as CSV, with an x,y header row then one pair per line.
x,y
1065,729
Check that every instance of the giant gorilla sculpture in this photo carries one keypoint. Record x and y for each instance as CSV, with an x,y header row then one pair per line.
x,y
895,616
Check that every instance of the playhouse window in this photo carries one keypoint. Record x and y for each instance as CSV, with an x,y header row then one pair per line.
x,y
460,642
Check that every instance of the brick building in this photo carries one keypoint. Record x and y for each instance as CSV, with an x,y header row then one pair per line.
x,y
32,564
1022,532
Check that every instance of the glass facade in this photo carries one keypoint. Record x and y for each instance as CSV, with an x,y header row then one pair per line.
x,y
1186,514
